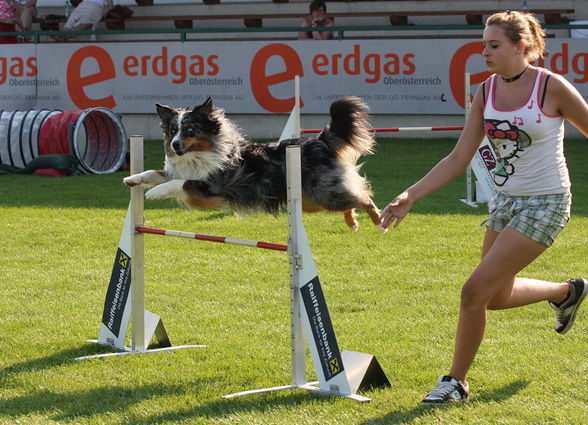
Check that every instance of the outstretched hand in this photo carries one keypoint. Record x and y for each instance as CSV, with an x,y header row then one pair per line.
x,y
396,210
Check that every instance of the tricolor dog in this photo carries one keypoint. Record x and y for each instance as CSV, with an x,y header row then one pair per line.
x,y
209,164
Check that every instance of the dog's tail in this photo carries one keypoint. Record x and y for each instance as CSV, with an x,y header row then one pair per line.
x,y
350,126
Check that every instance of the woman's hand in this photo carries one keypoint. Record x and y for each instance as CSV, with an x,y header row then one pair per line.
x,y
396,210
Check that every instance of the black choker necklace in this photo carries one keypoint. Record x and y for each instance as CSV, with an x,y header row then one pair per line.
x,y
516,77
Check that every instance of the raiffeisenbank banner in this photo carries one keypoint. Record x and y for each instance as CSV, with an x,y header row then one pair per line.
x,y
394,76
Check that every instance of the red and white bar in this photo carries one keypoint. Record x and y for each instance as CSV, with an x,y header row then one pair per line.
x,y
395,129
210,238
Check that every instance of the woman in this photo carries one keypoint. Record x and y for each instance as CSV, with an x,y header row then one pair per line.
x,y
521,109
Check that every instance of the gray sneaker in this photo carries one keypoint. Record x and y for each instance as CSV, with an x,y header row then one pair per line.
x,y
448,390
565,312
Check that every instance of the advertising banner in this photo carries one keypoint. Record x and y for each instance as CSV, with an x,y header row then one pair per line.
x,y
393,76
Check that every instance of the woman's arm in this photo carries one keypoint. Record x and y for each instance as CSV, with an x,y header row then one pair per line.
x,y
564,98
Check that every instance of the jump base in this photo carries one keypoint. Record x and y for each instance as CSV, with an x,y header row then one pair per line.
x,y
128,350
310,386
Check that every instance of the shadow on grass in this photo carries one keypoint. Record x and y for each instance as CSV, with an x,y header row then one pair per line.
x,y
114,399
405,416
53,360
293,400
224,408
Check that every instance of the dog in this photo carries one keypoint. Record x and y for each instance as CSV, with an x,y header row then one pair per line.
x,y
210,164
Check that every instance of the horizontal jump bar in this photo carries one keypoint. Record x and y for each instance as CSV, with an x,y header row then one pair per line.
x,y
396,129
210,238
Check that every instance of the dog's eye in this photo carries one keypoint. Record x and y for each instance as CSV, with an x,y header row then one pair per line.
x,y
192,131
172,131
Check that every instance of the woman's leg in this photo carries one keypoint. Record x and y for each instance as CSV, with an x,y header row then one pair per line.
x,y
523,291
504,255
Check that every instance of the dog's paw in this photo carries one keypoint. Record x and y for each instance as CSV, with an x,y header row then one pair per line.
x,y
172,189
133,180
382,228
148,178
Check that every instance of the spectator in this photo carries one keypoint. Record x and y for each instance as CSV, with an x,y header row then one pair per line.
x,y
8,21
27,11
317,18
87,14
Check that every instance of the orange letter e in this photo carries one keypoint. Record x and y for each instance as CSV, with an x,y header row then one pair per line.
x,y
76,83
260,82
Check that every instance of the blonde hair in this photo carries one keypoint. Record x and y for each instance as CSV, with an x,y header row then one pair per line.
x,y
519,26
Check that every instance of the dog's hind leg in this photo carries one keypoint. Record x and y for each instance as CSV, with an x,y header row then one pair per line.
x,y
351,219
374,213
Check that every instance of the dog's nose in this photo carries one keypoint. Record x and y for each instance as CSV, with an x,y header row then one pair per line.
x,y
176,145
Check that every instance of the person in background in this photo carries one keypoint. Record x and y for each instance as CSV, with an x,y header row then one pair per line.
x,y
521,108
317,18
8,21
27,11
87,14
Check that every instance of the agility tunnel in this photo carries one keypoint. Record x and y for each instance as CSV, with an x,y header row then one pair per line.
x,y
95,137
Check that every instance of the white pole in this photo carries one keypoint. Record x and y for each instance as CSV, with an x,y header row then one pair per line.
x,y
298,346
137,251
297,105
468,105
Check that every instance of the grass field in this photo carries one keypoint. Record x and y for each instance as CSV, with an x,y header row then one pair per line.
x,y
395,296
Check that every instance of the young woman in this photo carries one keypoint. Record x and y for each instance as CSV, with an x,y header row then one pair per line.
x,y
521,108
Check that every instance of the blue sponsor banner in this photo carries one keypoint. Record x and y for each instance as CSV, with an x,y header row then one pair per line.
x,y
118,292
322,328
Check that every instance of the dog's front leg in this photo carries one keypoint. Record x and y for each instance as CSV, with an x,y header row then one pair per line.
x,y
148,178
173,189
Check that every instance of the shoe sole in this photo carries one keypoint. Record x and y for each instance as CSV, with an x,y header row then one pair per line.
x,y
443,401
575,310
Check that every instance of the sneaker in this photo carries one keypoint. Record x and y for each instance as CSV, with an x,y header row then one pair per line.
x,y
448,389
565,312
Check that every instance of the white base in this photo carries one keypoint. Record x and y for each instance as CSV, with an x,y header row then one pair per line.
x,y
128,350
470,203
308,386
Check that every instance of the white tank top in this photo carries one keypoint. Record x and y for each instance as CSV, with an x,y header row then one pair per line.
x,y
528,144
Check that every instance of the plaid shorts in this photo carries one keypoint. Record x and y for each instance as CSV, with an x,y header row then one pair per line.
x,y
539,217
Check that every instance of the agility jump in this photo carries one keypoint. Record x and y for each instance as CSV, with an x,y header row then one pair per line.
x,y
338,373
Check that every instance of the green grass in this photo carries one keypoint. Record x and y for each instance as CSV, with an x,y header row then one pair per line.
x,y
395,296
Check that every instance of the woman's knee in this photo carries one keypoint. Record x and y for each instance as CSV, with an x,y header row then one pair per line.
x,y
472,297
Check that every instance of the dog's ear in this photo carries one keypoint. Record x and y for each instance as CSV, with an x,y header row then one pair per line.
x,y
205,108
165,113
